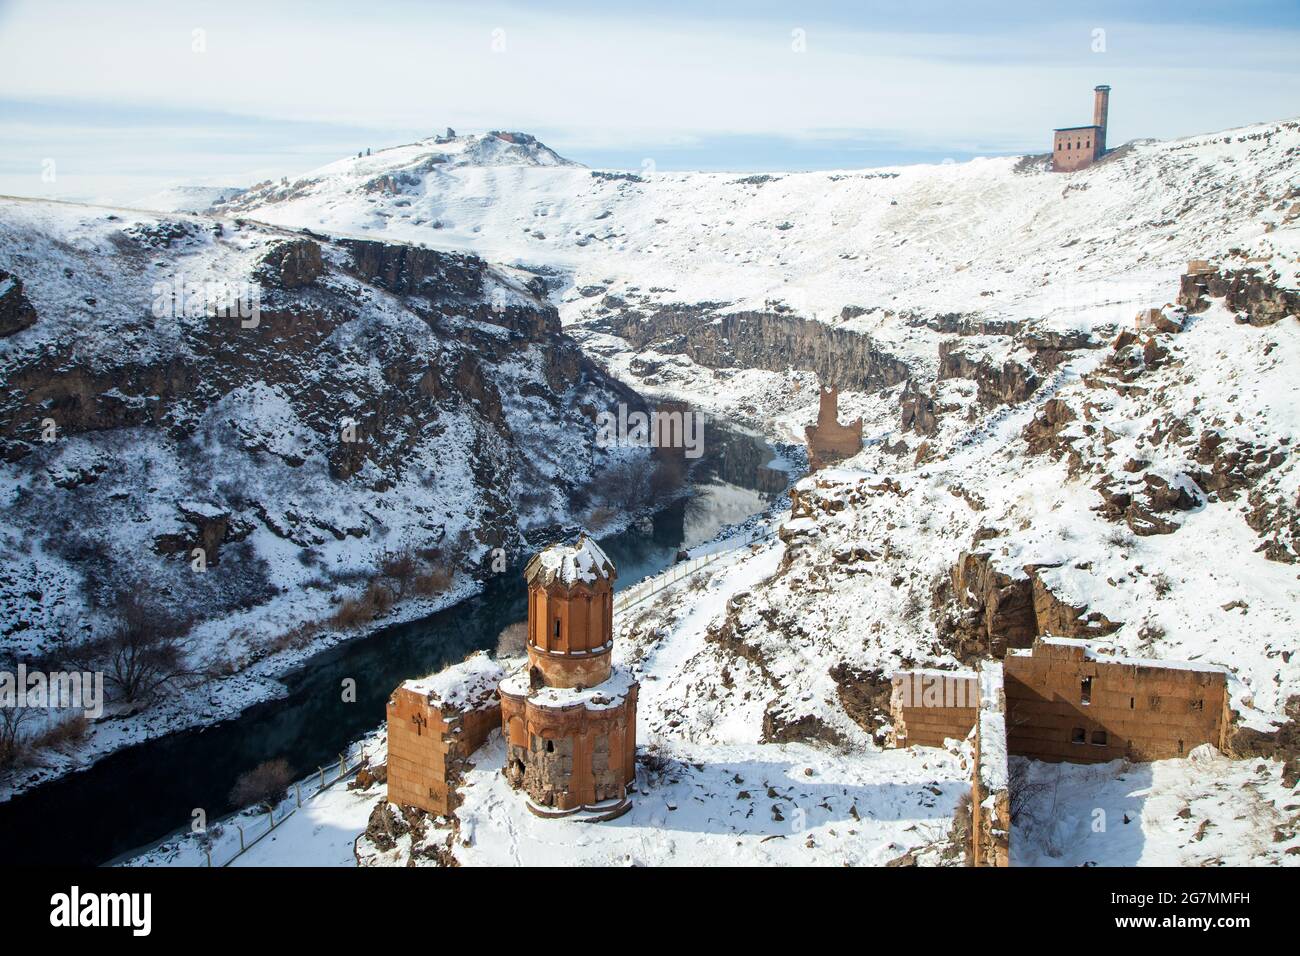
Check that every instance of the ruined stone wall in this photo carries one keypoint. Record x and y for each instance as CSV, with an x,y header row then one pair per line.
x,y
568,758
828,440
928,707
991,778
428,746
1066,703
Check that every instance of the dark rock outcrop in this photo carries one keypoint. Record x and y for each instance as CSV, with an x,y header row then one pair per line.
x,y
1260,300
1010,383
765,340
16,313
293,264
411,270
1148,506
918,411
998,611
1051,347
1042,434
1231,467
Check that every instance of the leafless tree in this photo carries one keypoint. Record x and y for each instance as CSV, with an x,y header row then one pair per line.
x,y
265,784
142,653
513,640
400,567
11,737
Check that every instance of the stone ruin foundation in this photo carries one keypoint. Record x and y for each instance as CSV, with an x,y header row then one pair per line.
x,y
1060,700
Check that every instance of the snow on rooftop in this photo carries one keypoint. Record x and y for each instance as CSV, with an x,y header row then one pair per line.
x,y
467,685
1095,652
581,562
608,693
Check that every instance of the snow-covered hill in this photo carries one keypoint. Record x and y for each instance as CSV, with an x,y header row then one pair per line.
x,y
1026,442
183,198
1002,238
966,296
384,419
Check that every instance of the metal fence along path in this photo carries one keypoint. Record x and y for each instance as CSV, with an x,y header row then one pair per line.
x,y
651,586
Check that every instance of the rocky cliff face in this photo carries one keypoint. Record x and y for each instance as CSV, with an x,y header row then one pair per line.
x,y
765,340
16,313
1256,298
382,399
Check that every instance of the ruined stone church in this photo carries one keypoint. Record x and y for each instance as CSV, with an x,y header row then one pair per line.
x,y
568,717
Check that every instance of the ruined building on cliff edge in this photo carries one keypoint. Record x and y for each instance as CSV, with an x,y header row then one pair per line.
x,y
1063,699
1074,147
568,718
828,440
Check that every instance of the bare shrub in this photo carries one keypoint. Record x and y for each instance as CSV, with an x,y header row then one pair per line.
x,y
1162,584
432,582
658,766
62,733
352,613
1119,538
1022,792
265,784
142,653
379,598
13,745
621,486
669,476
296,638
959,836
513,640
401,568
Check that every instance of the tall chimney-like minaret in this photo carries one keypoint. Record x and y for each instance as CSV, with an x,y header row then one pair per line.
x,y
1100,106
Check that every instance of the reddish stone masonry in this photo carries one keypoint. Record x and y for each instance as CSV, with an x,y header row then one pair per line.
x,y
1077,147
1061,700
434,725
568,717
569,720
828,440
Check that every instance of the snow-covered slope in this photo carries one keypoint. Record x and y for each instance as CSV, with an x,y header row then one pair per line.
x,y
184,198
1024,440
983,290
384,406
997,237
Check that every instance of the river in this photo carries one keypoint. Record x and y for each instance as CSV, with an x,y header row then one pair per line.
x,y
140,794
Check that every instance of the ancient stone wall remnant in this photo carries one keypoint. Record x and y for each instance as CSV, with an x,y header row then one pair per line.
x,y
828,440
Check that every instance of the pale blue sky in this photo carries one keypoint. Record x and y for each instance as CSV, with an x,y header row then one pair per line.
x,y
126,97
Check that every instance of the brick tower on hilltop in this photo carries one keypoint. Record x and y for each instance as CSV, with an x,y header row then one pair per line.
x,y
569,717
1076,147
